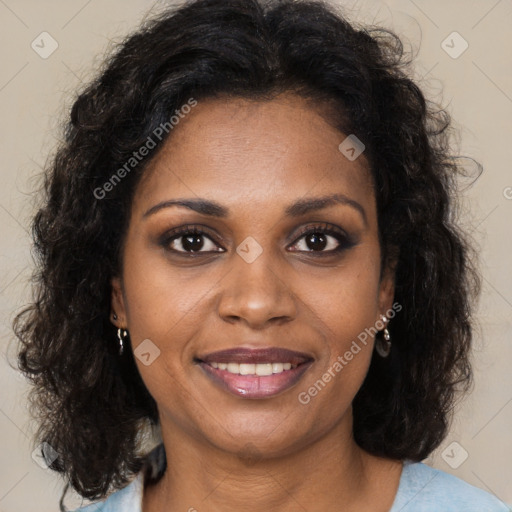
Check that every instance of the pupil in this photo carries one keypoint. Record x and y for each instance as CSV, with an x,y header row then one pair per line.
x,y
316,241
192,242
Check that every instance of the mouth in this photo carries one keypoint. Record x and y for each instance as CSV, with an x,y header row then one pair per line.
x,y
255,373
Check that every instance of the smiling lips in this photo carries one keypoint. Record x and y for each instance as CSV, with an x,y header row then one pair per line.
x,y
255,373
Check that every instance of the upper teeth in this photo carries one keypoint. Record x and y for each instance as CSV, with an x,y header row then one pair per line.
x,y
254,369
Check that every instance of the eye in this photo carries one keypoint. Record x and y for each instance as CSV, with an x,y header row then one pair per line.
x,y
190,240
323,238
193,240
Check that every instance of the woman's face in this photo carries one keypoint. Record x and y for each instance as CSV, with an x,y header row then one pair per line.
x,y
257,176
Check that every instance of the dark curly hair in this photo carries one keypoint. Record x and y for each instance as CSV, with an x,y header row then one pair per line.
x,y
91,404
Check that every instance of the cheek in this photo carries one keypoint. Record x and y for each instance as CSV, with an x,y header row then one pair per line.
x,y
161,301
348,320
347,306
346,299
163,308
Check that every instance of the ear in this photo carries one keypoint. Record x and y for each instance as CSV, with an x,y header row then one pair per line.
x,y
386,289
117,303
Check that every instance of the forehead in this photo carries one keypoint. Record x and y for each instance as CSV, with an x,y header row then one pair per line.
x,y
236,149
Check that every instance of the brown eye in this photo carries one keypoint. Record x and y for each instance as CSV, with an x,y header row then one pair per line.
x,y
189,240
317,241
322,239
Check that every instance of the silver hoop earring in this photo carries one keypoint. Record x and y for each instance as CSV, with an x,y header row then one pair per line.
x,y
121,335
383,345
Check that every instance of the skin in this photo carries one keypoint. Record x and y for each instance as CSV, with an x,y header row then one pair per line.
x,y
228,453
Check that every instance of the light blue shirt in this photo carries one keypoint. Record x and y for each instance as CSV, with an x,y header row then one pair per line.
x,y
421,489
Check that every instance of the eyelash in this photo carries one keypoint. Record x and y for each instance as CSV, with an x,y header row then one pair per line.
x,y
343,239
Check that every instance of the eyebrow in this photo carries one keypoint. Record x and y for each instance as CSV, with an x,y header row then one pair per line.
x,y
300,207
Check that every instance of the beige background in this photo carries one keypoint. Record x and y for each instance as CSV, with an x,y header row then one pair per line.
x,y
476,87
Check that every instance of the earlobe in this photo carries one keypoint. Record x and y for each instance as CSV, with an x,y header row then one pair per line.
x,y
118,310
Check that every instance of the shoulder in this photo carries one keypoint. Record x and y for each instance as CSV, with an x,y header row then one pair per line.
x,y
425,489
128,499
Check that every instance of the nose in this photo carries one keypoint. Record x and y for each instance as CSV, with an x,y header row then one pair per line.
x,y
256,293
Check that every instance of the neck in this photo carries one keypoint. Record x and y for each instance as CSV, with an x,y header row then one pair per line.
x,y
331,472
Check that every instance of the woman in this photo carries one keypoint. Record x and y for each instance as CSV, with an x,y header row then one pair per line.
x,y
247,242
